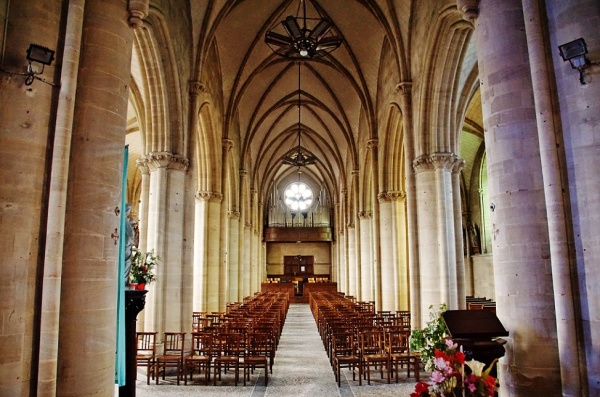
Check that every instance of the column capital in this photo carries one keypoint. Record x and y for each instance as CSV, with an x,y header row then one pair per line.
x,y
390,196
138,10
234,214
458,165
469,8
350,225
157,160
372,143
243,172
355,172
404,88
209,196
227,144
364,214
196,87
142,164
430,162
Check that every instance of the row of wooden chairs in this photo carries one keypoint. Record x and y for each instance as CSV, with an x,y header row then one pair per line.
x,y
360,341
245,336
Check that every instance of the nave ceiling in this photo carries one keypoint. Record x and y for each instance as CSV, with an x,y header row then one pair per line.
x,y
344,96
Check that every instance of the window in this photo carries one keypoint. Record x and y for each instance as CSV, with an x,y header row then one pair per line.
x,y
298,196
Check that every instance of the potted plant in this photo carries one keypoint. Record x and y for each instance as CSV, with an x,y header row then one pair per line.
x,y
142,268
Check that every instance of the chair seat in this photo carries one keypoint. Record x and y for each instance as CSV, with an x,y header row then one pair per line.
x,y
256,359
168,358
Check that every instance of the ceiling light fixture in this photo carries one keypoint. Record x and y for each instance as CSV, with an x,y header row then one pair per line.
x,y
298,156
305,38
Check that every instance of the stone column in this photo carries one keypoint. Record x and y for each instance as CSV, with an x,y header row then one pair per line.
x,y
405,92
461,288
90,276
142,165
402,271
391,262
521,258
387,244
570,334
200,268
233,256
246,260
156,238
366,256
213,258
436,231
353,279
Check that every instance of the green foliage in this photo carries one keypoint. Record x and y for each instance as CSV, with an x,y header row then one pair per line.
x,y
431,337
142,266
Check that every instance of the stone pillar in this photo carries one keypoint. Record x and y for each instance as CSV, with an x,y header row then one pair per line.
x,y
90,276
233,256
200,268
405,93
213,254
144,199
402,271
436,231
461,288
521,249
387,244
246,260
156,239
353,279
366,255
392,265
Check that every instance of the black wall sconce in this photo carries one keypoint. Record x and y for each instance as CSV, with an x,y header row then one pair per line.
x,y
39,54
574,52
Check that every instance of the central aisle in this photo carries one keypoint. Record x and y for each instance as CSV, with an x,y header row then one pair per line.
x,y
301,363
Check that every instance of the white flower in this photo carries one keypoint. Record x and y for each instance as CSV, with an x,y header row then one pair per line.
x,y
476,367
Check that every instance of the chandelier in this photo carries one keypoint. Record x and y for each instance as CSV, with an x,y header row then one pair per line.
x,y
304,37
298,156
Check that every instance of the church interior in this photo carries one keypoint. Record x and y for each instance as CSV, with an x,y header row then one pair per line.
x,y
402,154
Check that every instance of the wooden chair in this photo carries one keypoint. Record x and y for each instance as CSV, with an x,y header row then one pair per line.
x,y
172,356
146,352
373,353
200,357
228,356
345,355
259,350
397,346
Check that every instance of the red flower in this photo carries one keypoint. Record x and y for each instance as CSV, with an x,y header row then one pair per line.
x,y
420,388
460,357
490,384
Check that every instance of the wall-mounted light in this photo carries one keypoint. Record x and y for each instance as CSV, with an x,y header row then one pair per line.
x,y
39,54
574,52
493,207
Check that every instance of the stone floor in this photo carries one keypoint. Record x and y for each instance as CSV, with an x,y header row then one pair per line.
x,y
301,369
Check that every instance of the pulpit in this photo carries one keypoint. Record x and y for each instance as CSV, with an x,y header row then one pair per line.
x,y
478,332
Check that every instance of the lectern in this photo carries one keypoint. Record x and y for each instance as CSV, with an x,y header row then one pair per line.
x,y
479,332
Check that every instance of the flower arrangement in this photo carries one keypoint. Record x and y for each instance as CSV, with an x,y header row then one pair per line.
x,y
142,266
432,337
449,377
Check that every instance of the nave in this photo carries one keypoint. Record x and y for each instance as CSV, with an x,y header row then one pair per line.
x,y
301,368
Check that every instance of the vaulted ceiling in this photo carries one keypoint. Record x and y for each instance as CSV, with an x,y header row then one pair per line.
x,y
337,93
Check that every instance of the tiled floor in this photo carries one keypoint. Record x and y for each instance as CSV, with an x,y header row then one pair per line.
x,y
301,369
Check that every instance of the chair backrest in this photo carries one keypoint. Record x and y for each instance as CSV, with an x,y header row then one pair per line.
x,y
397,341
202,344
342,344
230,343
174,343
372,342
259,344
146,343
